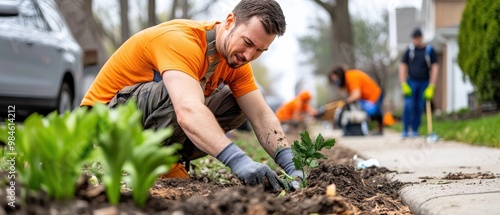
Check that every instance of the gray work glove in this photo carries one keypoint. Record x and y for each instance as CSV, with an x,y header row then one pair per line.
x,y
249,171
284,159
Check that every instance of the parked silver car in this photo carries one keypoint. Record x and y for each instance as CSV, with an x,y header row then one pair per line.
x,y
40,61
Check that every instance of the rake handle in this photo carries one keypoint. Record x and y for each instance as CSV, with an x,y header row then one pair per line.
x,y
429,116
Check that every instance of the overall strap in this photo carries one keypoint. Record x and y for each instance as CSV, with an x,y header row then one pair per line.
x,y
211,56
411,51
428,50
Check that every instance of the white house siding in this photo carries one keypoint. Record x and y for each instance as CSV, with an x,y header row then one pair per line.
x,y
458,89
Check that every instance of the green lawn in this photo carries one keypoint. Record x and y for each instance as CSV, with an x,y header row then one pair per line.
x,y
483,131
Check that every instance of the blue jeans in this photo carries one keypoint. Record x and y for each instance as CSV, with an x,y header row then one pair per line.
x,y
414,106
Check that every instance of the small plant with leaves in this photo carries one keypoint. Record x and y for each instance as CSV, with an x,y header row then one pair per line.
x,y
307,152
149,159
117,130
126,147
50,151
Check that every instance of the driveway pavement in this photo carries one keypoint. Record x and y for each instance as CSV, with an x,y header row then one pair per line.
x,y
449,177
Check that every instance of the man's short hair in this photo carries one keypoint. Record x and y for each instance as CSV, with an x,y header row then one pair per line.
x,y
416,33
268,11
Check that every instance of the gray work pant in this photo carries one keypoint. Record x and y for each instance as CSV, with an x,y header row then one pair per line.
x,y
158,112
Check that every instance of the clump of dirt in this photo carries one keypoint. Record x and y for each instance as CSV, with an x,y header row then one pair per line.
x,y
461,176
367,190
252,200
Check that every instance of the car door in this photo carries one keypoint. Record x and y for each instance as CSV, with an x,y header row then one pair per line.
x,y
29,55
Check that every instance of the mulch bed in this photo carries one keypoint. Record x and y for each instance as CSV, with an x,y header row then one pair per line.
x,y
358,192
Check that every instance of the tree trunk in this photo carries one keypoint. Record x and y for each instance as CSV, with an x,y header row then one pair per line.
x,y
151,13
85,29
342,36
125,25
342,41
185,9
173,9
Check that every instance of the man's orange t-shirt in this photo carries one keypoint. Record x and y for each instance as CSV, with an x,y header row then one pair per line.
x,y
175,45
357,79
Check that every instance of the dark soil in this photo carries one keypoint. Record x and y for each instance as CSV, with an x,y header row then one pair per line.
x,y
462,176
358,192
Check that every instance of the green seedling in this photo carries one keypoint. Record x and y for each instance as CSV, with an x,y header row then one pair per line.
x,y
94,169
118,132
212,169
149,159
51,150
287,179
306,153
126,146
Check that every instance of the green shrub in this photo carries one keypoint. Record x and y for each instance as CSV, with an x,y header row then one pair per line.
x,y
479,44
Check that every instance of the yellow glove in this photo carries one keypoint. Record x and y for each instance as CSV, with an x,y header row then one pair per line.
x,y
429,92
406,89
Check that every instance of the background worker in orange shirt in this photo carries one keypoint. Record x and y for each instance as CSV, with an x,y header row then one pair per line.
x,y
195,76
294,112
361,89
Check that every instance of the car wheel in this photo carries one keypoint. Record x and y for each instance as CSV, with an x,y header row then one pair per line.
x,y
65,99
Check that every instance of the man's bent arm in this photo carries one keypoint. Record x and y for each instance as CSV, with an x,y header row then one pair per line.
x,y
403,72
264,122
354,96
434,73
196,120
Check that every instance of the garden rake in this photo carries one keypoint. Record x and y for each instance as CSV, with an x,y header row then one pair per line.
x,y
432,137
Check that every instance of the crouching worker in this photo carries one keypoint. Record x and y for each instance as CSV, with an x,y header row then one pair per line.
x,y
195,76
361,89
293,113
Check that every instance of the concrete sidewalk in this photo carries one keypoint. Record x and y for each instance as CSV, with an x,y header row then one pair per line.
x,y
429,165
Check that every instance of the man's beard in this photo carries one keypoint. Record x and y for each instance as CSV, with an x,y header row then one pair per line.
x,y
226,55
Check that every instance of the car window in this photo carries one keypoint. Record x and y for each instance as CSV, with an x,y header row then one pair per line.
x,y
51,15
29,16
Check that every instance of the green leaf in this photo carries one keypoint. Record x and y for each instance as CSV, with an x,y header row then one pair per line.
x,y
306,152
313,164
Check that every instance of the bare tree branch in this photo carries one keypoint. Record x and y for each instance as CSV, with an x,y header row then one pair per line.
x,y
326,6
151,13
125,25
185,9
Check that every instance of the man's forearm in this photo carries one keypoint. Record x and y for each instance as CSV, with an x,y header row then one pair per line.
x,y
354,96
403,72
270,134
434,73
202,128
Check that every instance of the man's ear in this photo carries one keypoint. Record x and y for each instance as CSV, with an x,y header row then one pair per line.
x,y
230,20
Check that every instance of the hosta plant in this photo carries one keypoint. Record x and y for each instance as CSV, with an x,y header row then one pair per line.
x,y
117,131
126,146
50,151
149,159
